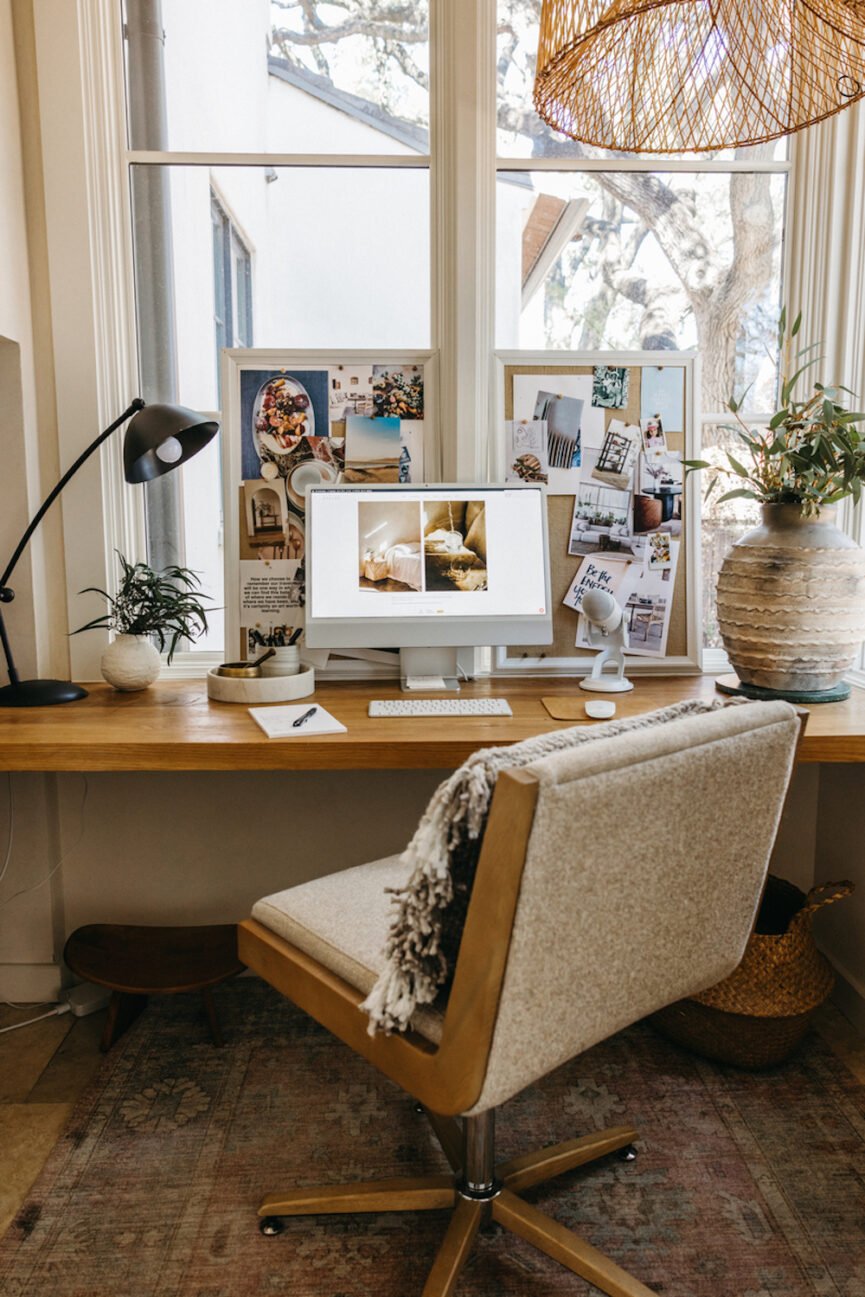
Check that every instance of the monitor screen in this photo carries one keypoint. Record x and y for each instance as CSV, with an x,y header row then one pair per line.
x,y
415,565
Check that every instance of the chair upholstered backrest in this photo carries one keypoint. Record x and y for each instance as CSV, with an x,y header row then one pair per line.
x,y
644,869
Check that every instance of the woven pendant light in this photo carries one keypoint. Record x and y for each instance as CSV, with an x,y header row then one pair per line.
x,y
684,76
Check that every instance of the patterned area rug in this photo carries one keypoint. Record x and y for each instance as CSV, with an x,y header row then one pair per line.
x,y
746,1185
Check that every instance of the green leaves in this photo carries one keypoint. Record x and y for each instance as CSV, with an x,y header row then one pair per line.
x,y
811,454
167,605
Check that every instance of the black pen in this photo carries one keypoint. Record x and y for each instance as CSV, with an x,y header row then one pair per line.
x,y
305,717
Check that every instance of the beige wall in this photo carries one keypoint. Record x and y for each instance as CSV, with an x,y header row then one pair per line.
x,y
29,926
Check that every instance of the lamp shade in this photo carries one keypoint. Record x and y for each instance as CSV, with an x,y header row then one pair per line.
x,y
685,76
160,438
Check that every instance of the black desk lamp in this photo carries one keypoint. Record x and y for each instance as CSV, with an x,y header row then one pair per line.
x,y
158,439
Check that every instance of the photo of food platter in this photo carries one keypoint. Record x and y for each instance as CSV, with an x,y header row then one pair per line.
x,y
282,411
277,408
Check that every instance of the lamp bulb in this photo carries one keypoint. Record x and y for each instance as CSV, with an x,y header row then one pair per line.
x,y
170,451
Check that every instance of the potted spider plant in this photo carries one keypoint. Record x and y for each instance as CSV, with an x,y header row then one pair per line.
x,y
164,606
791,593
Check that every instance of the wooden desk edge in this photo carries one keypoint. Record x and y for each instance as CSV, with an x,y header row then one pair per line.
x,y
152,731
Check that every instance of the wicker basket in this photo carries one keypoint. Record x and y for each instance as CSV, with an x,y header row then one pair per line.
x,y
758,1015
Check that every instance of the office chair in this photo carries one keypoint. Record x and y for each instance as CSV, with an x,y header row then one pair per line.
x,y
568,938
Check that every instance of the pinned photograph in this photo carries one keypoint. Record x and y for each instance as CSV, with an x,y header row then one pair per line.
x,y
526,457
661,478
372,449
596,572
659,551
563,416
662,396
397,391
649,605
618,455
531,395
455,546
610,386
390,549
654,440
351,391
277,407
601,518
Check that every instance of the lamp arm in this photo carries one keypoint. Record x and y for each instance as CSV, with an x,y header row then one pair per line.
x,y
6,594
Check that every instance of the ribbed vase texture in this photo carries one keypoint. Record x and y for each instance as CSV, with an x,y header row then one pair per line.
x,y
791,601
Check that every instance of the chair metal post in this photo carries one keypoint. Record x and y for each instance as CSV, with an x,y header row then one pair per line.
x,y
479,1181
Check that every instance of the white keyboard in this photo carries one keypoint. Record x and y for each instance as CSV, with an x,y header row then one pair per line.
x,y
441,707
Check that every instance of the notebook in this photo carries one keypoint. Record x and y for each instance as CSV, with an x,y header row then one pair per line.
x,y
277,722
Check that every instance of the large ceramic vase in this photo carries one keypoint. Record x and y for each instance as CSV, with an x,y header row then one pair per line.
x,y
130,662
791,605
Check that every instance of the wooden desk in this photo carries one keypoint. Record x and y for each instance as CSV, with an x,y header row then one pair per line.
x,y
173,726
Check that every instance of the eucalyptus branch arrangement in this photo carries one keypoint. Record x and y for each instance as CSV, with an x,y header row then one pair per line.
x,y
811,454
166,604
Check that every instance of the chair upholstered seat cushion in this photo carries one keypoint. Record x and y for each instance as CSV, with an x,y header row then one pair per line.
x,y
342,921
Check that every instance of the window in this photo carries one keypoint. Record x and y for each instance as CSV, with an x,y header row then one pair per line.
x,y
281,174
597,250
221,118
232,284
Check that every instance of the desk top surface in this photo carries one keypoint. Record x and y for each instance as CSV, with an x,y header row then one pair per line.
x,y
173,726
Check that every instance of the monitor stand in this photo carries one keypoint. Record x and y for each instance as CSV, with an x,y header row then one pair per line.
x,y
427,670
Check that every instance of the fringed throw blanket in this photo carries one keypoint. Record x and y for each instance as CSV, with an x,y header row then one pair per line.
x,y
424,936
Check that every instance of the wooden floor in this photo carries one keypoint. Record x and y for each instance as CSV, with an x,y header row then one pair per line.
x,y
44,1068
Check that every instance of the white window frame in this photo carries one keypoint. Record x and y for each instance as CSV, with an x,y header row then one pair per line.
x,y
86,158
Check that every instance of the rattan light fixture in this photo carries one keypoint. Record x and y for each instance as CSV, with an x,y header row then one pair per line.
x,y
685,76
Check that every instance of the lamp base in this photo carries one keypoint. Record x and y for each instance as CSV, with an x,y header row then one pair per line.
x,y
40,693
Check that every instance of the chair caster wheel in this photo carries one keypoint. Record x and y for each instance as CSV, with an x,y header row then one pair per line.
x,y
419,1109
270,1226
628,1153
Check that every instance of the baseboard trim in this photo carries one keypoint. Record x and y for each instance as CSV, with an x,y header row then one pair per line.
x,y
849,997
29,983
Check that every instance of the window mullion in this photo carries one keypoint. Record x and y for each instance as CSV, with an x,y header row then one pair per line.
x,y
463,179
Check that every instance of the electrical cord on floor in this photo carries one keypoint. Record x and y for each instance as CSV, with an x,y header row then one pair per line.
x,y
56,1012
7,900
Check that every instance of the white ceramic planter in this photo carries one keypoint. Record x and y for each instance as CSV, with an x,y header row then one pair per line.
x,y
791,602
131,662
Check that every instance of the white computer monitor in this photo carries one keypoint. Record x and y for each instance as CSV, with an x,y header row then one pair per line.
x,y
427,569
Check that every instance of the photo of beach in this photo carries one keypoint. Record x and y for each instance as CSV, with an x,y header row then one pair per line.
x,y
372,449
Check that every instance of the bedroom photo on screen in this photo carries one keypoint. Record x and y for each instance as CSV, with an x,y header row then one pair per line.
x,y
390,553
455,545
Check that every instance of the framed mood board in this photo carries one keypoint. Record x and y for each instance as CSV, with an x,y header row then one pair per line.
x,y
608,433
302,418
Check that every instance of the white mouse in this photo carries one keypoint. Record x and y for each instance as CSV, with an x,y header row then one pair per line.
x,y
600,709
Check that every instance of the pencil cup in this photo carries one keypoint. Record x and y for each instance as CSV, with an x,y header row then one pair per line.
x,y
285,662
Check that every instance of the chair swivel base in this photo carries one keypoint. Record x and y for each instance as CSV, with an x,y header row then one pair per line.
x,y
472,1207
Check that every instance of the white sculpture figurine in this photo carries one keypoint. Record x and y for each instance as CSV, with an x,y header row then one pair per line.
x,y
608,632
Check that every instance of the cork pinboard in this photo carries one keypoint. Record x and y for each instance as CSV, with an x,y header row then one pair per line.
x,y
561,657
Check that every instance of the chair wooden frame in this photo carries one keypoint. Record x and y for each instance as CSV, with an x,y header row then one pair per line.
x,y
447,1079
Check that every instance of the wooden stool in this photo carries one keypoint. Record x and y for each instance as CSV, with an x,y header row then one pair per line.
x,y
135,961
